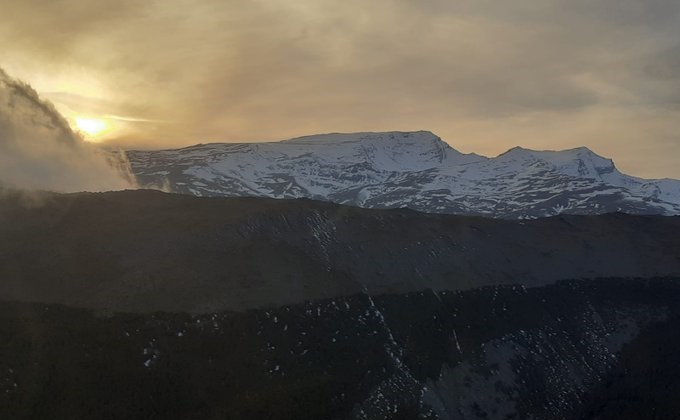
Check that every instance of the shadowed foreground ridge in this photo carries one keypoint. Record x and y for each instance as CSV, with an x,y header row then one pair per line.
x,y
146,305
143,251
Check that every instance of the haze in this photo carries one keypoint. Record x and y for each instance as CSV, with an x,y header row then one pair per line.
x,y
484,75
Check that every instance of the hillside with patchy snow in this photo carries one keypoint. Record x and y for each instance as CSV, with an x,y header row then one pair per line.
x,y
415,170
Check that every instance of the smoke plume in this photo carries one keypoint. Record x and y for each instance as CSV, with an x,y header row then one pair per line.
x,y
40,151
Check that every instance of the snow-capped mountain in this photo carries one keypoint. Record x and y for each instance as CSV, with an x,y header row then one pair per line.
x,y
416,170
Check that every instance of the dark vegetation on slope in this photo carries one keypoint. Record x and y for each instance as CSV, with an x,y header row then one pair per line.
x,y
569,350
146,305
646,382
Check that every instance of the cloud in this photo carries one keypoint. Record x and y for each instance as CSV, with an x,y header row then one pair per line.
x,y
664,65
264,69
38,149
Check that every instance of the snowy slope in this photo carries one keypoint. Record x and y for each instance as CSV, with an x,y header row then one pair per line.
x,y
416,170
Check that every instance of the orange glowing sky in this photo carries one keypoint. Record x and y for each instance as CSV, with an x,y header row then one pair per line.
x,y
485,75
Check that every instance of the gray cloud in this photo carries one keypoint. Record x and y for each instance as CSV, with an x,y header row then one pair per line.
x,y
565,72
664,65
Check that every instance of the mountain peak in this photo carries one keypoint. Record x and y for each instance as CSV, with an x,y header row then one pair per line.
x,y
581,149
524,150
409,169
393,136
393,151
579,161
517,150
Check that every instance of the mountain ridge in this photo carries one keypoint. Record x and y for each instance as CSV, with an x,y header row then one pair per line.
x,y
417,170
146,250
169,306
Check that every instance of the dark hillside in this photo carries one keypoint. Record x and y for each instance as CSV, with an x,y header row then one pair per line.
x,y
143,251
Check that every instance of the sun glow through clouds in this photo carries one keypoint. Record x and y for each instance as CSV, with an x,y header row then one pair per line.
x,y
91,126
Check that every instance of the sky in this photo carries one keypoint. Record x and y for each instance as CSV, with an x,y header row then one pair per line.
x,y
485,75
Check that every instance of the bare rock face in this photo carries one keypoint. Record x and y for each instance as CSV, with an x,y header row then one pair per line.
x,y
416,170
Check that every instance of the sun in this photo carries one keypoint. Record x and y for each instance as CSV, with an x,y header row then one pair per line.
x,y
91,126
